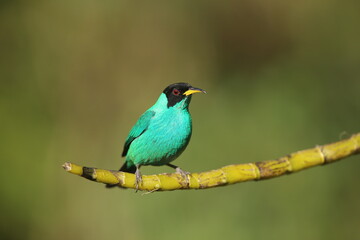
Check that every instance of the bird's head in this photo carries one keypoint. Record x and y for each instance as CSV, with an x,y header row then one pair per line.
x,y
180,94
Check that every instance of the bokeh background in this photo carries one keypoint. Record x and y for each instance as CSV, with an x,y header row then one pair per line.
x,y
281,76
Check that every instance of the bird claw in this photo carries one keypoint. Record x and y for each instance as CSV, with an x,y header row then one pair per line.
x,y
184,175
138,179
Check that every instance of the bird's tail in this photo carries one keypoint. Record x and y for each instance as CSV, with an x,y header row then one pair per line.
x,y
124,168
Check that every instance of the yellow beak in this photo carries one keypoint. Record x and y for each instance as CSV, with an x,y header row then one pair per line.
x,y
193,90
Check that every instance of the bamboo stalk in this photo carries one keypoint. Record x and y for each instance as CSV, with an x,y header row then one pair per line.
x,y
230,174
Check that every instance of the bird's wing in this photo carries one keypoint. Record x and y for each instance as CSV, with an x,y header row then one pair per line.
x,y
139,128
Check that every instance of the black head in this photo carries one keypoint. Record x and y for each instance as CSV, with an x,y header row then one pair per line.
x,y
179,91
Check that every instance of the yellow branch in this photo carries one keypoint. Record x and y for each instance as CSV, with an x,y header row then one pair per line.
x,y
226,175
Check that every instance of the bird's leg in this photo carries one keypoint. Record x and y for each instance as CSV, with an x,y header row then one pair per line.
x,y
183,173
138,177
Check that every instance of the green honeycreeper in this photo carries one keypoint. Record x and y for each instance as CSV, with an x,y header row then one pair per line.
x,y
162,133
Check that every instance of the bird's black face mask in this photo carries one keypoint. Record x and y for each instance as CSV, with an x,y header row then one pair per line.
x,y
178,91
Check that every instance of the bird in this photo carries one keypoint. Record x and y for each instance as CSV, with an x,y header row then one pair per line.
x,y
161,133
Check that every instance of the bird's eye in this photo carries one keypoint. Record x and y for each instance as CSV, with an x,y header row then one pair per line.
x,y
175,92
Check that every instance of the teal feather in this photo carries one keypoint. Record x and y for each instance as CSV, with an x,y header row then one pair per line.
x,y
139,128
160,135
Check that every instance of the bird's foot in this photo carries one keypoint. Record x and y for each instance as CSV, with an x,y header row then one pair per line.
x,y
184,175
138,179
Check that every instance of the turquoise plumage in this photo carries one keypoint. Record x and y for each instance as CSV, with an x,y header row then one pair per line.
x,y
162,133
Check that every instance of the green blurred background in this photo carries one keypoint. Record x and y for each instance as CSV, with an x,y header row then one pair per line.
x,y
75,75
